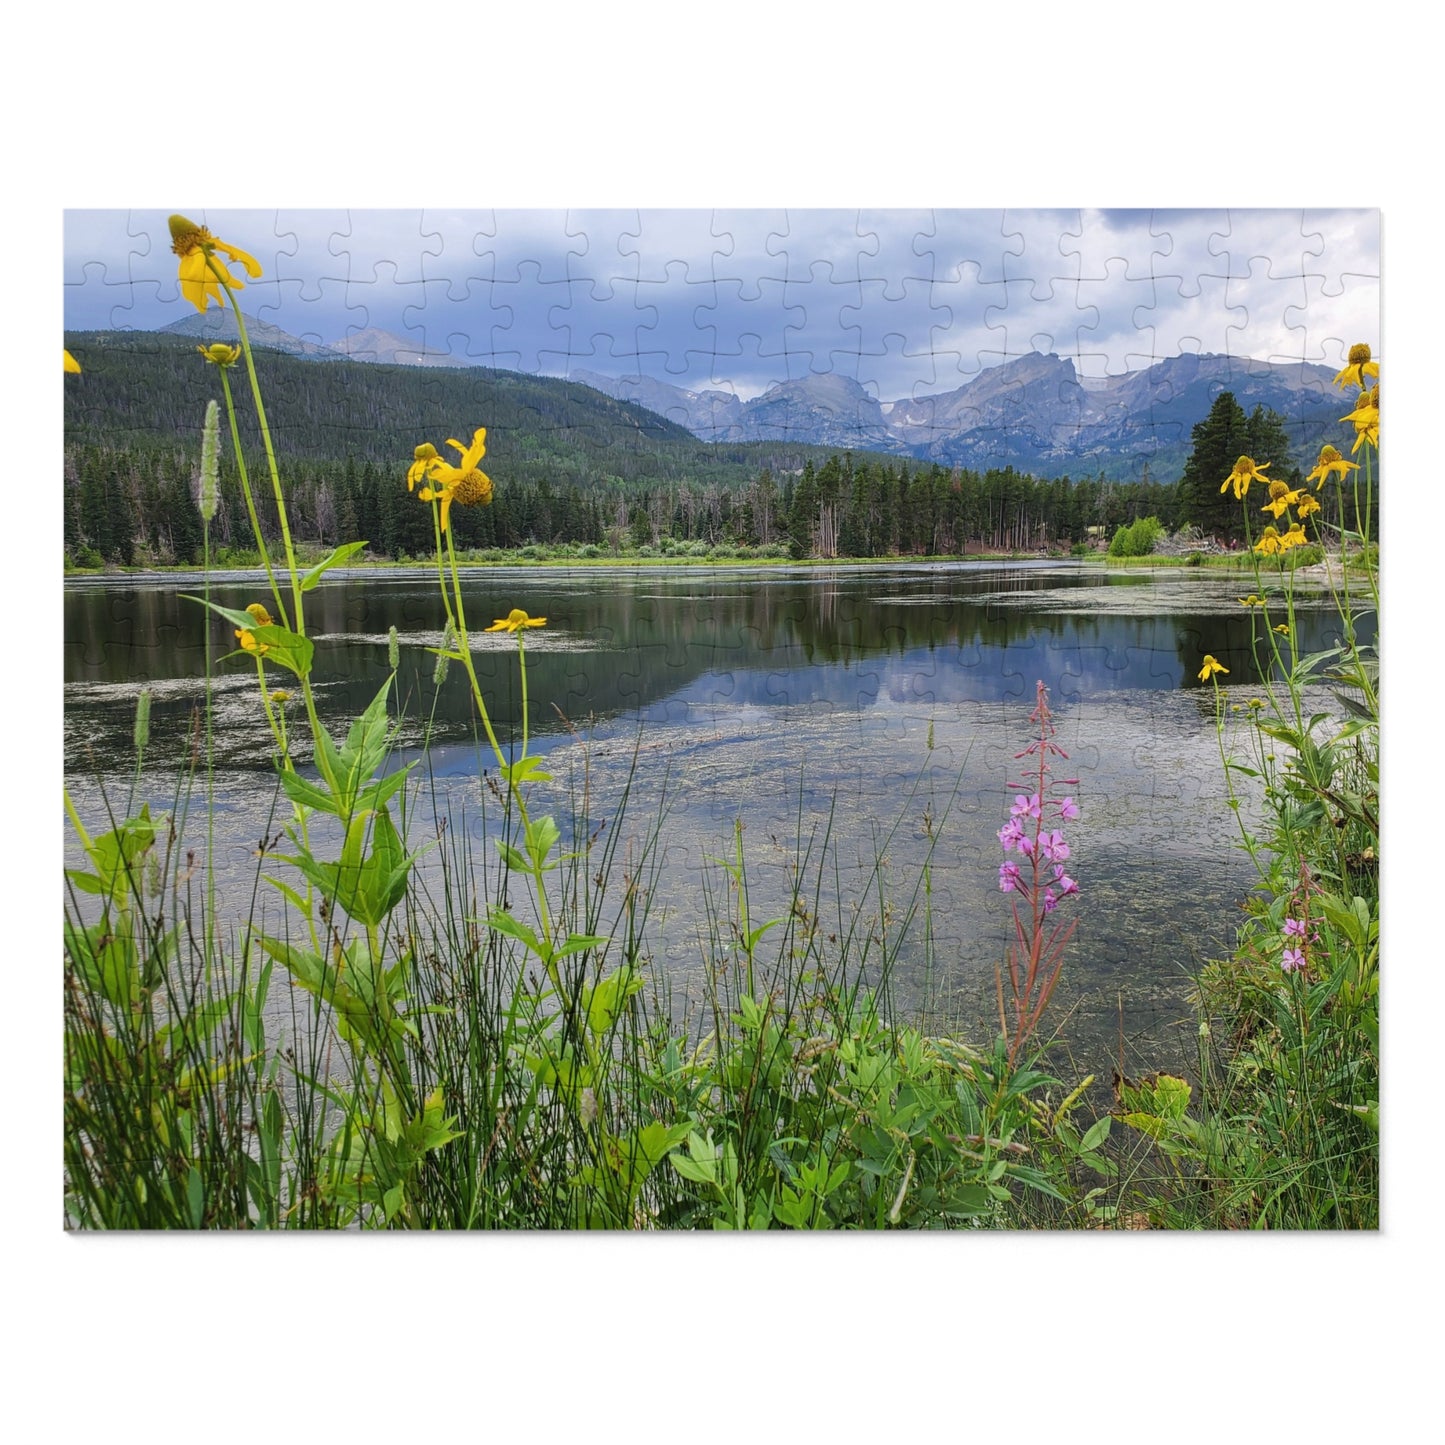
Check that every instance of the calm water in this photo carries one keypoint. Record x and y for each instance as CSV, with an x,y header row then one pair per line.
x,y
800,700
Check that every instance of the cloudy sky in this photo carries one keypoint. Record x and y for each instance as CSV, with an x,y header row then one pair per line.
x,y
906,302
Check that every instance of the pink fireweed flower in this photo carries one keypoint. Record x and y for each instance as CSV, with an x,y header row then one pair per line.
x,y
1026,807
1066,884
1294,928
1026,846
1011,834
1292,958
1053,847
1008,877
1068,809
1050,902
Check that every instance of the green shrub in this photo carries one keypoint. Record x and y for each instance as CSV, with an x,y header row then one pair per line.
x,y
1137,539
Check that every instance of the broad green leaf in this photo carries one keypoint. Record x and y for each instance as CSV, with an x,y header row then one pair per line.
x,y
347,549
367,743
376,795
1096,1135
286,649
500,921
512,858
541,837
604,1000
525,770
106,960
236,617
308,794
116,854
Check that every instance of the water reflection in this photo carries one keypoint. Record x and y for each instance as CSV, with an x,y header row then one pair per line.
x,y
801,699
656,645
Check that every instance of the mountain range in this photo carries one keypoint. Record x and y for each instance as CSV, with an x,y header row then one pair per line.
x,y
1034,412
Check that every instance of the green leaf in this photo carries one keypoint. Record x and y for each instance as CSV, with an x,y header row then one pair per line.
x,y
308,794
500,921
106,960
689,1169
541,837
235,617
376,795
290,894
347,549
577,942
1096,1135
604,1000
525,770
287,649
115,855
367,743
367,886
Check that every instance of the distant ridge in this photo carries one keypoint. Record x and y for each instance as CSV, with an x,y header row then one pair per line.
x,y
1033,412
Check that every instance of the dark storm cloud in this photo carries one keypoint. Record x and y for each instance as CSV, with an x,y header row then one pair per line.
x,y
905,302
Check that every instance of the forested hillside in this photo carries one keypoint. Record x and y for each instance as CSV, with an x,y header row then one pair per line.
x,y
570,466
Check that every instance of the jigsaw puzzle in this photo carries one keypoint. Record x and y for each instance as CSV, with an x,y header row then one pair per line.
x,y
691,719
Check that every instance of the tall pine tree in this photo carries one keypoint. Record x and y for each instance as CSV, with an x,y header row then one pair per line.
x,y
1218,440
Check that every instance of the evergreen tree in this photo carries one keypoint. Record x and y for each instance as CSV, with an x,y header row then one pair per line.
x,y
803,514
1221,438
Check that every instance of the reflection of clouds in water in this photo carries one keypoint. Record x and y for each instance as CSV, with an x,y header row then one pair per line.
x,y
1153,850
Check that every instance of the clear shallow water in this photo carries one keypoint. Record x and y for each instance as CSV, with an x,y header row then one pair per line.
x,y
796,699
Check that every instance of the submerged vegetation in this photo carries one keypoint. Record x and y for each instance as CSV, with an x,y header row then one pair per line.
x,y
483,1043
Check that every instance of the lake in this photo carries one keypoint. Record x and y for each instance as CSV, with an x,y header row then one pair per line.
x,y
883,704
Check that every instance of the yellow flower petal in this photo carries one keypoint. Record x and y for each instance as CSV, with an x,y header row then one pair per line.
x,y
1245,471
1211,666
1330,461
1358,366
515,621
71,364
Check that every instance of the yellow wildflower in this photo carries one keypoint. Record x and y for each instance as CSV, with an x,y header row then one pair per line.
x,y
1366,417
515,621
463,483
1210,667
71,364
1295,537
1245,471
423,456
1268,542
219,354
246,637
1330,461
1307,505
1358,367
280,696
1280,499
1251,601
1282,628
202,272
